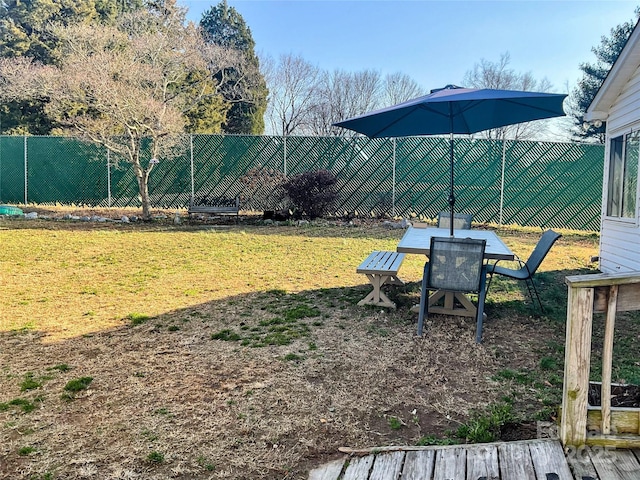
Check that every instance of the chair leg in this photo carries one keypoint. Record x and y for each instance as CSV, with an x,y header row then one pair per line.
x,y
489,282
491,276
424,301
482,294
535,290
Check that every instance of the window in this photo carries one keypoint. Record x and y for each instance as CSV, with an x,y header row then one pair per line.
x,y
623,176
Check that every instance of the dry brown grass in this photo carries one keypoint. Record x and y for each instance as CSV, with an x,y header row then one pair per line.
x,y
221,409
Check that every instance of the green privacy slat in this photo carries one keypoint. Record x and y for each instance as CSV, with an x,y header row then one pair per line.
x,y
65,171
11,169
170,181
545,184
553,185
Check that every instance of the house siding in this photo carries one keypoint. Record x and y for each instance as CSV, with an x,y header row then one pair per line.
x,y
626,109
620,239
619,247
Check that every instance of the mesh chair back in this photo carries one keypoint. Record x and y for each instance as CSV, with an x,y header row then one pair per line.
x,y
461,221
542,248
455,264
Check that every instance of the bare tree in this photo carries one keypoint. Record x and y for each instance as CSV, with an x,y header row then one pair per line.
x,y
365,88
303,99
342,95
293,87
498,75
16,78
122,85
399,87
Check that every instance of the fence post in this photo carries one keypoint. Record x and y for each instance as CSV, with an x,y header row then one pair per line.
x,y
108,178
193,191
393,180
26,197
504,150
284,155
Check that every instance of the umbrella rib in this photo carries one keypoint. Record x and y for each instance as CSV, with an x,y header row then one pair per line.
x,y
534,107
458,114
433,110
386,127
478,103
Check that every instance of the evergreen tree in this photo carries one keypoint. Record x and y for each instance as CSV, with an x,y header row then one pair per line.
x,y
244,87
25,26
24,117
593,74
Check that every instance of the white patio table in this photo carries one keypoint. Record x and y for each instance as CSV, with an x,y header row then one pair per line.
x,y
418,240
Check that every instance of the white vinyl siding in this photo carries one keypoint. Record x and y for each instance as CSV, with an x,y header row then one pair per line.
x,y
619,247
626,109
620,236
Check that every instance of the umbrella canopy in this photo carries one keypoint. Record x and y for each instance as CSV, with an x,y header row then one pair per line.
x,y
455,110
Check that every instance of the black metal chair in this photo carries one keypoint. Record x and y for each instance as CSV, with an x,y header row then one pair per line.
x,y
527,269
461,221
455,264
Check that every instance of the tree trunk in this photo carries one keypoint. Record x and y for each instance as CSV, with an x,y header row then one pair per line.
x,y
143,186
142,177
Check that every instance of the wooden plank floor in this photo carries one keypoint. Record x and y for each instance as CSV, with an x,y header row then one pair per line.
x,y
524,460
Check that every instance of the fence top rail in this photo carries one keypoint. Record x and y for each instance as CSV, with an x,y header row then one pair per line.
x,y
602,279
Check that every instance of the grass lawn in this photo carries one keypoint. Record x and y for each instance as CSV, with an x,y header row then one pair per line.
x,y
159,351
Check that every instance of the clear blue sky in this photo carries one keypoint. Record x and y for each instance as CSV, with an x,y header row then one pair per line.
x,y
434,42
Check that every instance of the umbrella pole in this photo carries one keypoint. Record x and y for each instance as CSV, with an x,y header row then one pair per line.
x,y
452,198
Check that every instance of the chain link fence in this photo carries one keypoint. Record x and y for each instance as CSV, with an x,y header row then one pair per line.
x,y
512,182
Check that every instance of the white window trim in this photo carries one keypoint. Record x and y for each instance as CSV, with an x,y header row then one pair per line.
x,y
629,222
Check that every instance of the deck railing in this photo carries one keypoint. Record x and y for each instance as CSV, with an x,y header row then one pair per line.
x,y
589,294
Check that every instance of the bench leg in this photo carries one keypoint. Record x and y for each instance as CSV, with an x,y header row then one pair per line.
x,y
393,280
376,296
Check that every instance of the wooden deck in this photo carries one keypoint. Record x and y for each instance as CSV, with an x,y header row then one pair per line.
x,y
524,460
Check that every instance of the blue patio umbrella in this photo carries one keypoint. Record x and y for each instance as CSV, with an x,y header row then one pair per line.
x,y
456,110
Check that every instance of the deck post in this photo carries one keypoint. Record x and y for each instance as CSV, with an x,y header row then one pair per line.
x,y
607,359
573,424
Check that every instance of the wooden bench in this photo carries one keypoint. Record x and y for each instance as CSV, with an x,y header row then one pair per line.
x,y
216,209
381,268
